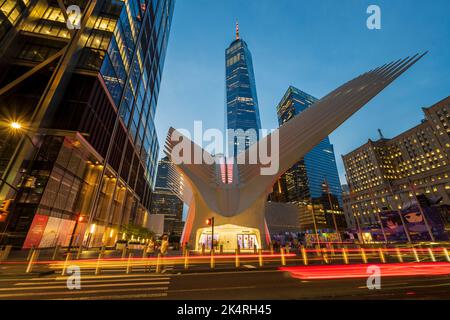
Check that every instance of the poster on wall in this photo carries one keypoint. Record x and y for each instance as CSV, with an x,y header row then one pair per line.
x,y
50,237
65,232
36,231
414,223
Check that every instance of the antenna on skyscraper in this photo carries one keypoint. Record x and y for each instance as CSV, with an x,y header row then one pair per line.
x,y
237,30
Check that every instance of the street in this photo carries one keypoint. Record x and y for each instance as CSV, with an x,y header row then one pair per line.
x,y
241,285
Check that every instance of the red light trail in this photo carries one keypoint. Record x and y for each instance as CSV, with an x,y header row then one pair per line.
x,y
360,270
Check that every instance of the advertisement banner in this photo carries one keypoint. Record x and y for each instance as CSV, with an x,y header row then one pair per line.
x,y
36,231
414,223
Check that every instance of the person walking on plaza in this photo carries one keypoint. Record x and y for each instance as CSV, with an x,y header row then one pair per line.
x,y
151,247
164,245
163,249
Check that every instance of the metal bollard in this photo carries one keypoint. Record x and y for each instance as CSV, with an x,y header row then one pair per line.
x,y
236,260
212,261
430,252
305,256
345,255
381,254
66,262
97,268
260,258
416,256
363,255
399,255
158,263
446,254
5,253
186,260
271,248
325,256
129,263
221,249
33,258
318,250
283,258
56,251
30,253
254,249
80,251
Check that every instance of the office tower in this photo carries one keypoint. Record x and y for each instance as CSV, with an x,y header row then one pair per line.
x,y
242,112
313,176
390,173
166,202
82,97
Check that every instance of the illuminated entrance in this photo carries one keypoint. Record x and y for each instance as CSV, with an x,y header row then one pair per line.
x,y
229,236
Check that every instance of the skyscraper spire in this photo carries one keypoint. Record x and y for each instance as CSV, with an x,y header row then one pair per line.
x,y
237,30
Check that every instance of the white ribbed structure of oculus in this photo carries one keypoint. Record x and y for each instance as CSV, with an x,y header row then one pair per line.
x,y
238,202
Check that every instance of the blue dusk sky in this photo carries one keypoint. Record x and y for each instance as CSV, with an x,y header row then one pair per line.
x,y
314,45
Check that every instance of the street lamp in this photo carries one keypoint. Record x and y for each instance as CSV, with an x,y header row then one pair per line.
x,y
15,125
210,222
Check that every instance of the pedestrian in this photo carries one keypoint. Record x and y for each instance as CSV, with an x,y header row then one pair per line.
x,y
151,247
164,245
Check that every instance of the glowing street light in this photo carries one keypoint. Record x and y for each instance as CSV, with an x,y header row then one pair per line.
x,y
15,125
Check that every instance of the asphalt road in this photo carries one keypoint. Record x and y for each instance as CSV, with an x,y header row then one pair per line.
x,y
242,285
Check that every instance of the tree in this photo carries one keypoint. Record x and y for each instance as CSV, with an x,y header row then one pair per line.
x,y
136,231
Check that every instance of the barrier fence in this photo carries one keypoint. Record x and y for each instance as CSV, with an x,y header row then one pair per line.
x,y
128,261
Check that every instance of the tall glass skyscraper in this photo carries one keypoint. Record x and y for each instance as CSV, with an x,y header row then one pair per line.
x,y
242,102
166,202
89,149
304,181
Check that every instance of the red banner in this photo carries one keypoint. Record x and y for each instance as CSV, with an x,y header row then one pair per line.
x,y
36,231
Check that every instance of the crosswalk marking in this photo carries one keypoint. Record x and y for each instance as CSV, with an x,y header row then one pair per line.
x,y
124,286
90,281
75,292
128,296
85,286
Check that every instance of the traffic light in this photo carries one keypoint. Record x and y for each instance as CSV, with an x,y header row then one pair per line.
x,y
80,218
208,222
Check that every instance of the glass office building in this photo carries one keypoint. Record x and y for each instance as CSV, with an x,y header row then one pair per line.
x,y
242,112
304,181
95,91
166,202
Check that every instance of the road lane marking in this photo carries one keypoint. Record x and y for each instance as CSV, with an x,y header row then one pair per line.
x,y
116,297
89,281
75,292
210,289
112,276
86,286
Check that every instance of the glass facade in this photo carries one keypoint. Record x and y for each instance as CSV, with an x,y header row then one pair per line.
x,y
242,101
165,202
304,180
109,96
